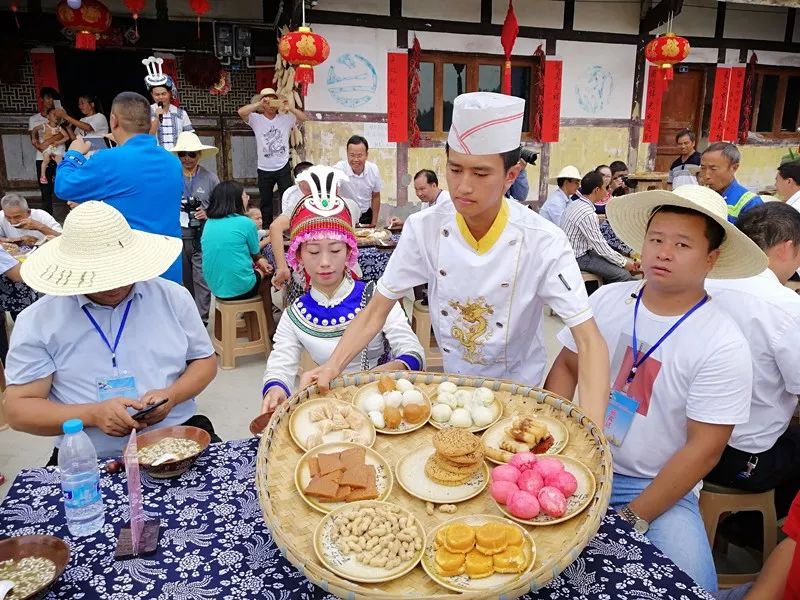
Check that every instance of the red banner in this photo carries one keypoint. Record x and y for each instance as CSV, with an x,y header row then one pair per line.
x,y
397,96
265,71
551,109
652,115
44,70
719,104
734,110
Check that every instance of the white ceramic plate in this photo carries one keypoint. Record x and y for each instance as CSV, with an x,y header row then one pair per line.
x,y
301,426
410,472
493,436
405,427
496,406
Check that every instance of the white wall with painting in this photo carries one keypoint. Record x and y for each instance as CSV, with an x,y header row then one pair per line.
x,y
597,81
353,79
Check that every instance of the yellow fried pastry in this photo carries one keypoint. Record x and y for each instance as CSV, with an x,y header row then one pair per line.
x,y
490,538
514,536
512,560
449,564
438,542
460,537
478,565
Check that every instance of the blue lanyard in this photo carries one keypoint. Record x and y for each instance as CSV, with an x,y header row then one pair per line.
x,y
637,362
119,331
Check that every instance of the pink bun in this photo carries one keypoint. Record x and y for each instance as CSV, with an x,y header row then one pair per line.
x,y
523,460
523,505
531,482
564,482
552,501
548,466
505,473
501,490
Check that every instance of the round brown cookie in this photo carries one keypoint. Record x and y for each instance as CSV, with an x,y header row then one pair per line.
x,y
453,441
467,459
463,470
439,475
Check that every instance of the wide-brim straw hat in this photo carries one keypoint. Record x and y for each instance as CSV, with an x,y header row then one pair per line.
x,y
189,142
568,172
97,252
629,215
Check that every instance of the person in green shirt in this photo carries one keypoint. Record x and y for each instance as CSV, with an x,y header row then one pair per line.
x,y
232,262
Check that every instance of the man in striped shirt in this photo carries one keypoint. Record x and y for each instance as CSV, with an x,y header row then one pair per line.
x,y
580,223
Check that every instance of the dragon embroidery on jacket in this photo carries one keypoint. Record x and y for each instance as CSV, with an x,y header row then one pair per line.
x,y
471,328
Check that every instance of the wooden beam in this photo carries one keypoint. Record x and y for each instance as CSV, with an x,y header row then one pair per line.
x,y
659,14
719,27
396,8
569,15
162,12
486,12
791,23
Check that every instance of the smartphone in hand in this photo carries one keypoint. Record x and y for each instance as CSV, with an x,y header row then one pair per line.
x,y
146,411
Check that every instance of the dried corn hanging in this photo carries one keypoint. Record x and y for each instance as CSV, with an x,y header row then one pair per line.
x,y
285,86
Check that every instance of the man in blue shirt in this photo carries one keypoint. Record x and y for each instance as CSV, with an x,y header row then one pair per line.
x,y
138,178
718,166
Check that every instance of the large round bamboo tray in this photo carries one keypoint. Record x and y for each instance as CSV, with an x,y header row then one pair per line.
x,y
292,522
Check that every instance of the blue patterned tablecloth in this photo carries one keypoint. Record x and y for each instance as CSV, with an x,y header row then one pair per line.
x,y
215,545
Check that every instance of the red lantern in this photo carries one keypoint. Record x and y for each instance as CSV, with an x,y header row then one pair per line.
x,y
199,7
135,6
14,9
665,51
304,50
91,19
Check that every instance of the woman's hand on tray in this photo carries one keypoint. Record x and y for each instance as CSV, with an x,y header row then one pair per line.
x,y
272,399
322,376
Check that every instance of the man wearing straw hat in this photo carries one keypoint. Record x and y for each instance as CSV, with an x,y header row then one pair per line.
x,y
109,338
198,183
568,180
681,369
490,265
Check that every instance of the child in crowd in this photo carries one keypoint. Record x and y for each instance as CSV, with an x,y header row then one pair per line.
x,y
55,152
255,213
324,249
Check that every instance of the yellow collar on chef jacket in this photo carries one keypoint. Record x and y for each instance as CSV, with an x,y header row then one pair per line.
x,y
483,245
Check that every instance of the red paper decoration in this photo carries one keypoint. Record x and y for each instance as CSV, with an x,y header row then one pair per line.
x,y
667,50
14,9
135,6
304,50
507,38
91,19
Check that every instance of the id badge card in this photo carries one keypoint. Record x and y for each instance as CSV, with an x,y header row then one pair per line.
x,y
619,416
121,386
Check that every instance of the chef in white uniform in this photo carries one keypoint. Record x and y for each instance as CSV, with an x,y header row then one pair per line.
x,y
490,265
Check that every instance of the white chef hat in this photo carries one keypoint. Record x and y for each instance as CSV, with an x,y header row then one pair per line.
x,y
486,123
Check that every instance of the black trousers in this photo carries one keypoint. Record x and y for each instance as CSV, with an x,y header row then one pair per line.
x,y
199,421
366,217
271,204
778,468
47,190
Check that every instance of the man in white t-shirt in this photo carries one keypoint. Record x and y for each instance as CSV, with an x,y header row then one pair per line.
x,y
426,187
272,129
298,191
680,368
363,180
490,265
20,223
787,183
764,453
37,128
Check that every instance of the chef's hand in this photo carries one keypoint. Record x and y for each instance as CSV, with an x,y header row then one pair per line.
x,y
160,413
80,145
275,395
322,376
112,416
281,277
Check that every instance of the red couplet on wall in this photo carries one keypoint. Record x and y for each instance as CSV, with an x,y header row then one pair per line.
x,y
719,104
733,111
551,110
652,115
44,70
397,90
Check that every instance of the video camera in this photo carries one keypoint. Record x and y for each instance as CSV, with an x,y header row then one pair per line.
x,y
189,206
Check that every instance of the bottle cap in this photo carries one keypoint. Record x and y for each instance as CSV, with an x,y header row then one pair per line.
x,y
73,426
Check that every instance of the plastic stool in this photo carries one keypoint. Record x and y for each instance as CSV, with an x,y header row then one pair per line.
x,y
226,340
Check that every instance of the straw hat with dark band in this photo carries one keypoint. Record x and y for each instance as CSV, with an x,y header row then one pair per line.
x,y
98,252
189,142
739,255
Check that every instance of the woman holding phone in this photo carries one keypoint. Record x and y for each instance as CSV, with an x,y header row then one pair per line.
x,y
93,123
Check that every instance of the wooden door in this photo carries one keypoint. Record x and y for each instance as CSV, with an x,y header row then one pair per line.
x,y
681,107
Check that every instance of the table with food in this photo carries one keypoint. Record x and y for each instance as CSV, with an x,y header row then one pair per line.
x,y
395,485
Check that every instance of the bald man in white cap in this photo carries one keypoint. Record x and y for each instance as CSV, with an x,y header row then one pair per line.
x,y
490,265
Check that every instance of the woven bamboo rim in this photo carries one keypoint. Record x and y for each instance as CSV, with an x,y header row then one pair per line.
x,y
292,522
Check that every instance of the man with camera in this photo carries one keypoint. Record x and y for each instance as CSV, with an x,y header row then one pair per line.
x,y
272,129
520,188
198,183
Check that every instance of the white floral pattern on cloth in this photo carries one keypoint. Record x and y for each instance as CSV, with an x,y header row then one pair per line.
x,y
215,546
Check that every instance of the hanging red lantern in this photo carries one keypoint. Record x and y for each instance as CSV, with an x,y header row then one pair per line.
x,y
91,19
199,8
135,6
304,50
667,50
14,9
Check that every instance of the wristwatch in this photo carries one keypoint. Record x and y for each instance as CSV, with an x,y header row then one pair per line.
x,y
639,524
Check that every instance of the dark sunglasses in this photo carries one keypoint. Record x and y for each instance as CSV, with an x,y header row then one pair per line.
x,y
189,154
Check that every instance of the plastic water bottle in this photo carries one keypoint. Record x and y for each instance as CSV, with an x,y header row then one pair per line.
x,y
80,481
